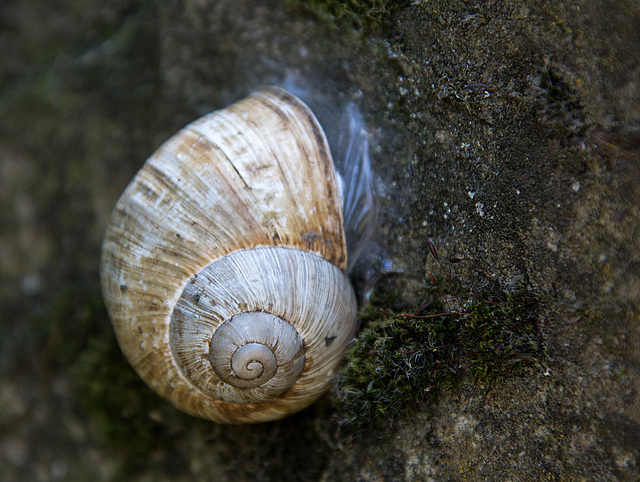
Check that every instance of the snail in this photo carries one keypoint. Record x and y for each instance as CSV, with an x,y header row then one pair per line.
x,y
224,264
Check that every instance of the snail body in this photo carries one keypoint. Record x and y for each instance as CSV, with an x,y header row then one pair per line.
x,y
223,266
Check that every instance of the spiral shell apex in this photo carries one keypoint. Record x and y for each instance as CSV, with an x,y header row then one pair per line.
x,y
223,266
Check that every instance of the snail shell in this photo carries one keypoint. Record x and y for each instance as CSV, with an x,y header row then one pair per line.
x,y
223,266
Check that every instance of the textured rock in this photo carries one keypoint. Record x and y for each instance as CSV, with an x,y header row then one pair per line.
x,y
505,132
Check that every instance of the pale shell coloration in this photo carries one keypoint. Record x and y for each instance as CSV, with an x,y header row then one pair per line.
x,y
223,266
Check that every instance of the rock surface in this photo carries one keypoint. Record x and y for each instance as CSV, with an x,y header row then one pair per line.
x,y
506,132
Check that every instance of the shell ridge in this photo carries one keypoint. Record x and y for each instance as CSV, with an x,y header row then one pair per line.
x,y
297,173
220,226
264,147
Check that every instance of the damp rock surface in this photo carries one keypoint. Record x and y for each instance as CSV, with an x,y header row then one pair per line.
x,y
506,133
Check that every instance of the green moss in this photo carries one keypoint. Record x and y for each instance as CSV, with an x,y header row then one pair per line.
x,y
369,15
400,359
562,106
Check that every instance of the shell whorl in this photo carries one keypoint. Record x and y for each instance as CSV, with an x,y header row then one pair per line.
x,y
292,302
247,350
233,228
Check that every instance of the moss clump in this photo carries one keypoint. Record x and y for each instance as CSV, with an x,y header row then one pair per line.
x,y
560,105
401,358
368,14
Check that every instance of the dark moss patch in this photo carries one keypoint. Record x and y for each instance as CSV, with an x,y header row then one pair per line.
x,y
560,106
402,358
370,15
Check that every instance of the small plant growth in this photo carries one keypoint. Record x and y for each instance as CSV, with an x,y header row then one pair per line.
x,y
400,359
369,15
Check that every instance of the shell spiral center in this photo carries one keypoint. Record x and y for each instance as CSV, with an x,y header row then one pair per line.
x,y
254,348
253,361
